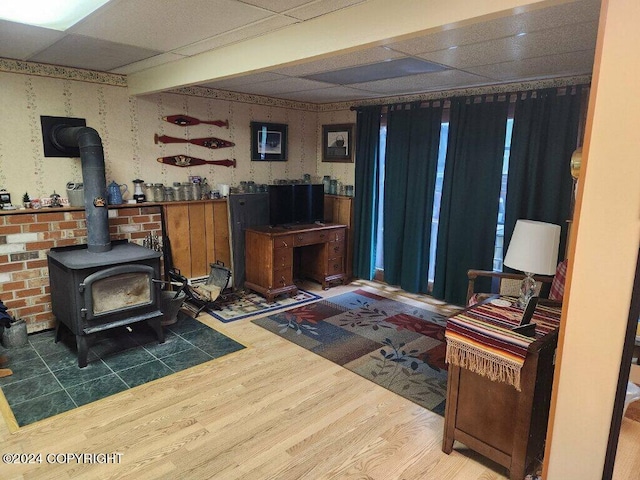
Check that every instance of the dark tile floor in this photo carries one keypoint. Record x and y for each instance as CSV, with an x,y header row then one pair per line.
x,y
46,378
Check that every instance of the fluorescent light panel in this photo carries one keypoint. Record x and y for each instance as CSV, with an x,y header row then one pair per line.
x,y
401,67
54,14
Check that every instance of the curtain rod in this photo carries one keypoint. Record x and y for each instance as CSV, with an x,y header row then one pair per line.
x,y
506,96
496,90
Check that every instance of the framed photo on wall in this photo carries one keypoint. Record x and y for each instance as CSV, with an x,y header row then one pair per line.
x,y
337,143
268,142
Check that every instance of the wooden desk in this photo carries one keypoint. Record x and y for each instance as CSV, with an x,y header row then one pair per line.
x,y
495,419
270,261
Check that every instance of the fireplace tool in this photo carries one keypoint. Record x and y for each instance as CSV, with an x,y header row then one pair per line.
x,y
204,295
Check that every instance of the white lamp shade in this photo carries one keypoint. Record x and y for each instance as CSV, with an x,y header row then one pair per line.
x,y
534,247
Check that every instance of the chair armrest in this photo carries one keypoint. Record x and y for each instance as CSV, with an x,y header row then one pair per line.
x,y
473,274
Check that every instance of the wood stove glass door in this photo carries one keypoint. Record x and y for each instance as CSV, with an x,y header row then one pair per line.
x,y
118,289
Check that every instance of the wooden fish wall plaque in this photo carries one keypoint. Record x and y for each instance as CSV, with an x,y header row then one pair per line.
x,y
187,161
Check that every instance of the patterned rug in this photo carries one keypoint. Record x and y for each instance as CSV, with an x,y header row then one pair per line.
x,y
249,304
47,381
396,343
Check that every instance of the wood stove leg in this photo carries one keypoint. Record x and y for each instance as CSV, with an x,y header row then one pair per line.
x,y
58,332
157,327
83,350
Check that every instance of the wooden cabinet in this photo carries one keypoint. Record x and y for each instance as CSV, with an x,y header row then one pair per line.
x,y
198,235
496,420
339,209
272,255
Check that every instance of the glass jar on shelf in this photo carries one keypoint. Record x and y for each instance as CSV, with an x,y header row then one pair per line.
x,y
187,192
158,192
326,181
177,192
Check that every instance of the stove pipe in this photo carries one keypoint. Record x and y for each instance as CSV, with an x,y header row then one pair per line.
x,y
93,176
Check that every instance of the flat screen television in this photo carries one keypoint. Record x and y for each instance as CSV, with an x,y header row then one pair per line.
x,y
296,204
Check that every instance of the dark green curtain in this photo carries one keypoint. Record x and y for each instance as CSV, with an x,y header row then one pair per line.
x,y
470,195
366,189
411,159
539,186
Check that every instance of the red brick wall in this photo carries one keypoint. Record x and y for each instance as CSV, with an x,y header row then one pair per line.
x,y
27,235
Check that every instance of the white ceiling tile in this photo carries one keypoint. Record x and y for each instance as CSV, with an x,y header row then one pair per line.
x,y
315,9
564,64
91,53
253,30
278,5
147,63
537,44
328,95
540,19
352,59
127,36
20,41
286,85
424,82
167,24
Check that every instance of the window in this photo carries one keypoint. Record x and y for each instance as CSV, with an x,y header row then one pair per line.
x,y
442,154
498,253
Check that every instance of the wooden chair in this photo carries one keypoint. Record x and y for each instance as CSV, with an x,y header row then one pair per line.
x,y
507,284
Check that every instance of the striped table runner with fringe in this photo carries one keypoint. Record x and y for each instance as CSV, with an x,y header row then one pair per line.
x,y
481,339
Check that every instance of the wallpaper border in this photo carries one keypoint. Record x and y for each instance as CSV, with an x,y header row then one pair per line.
x,y
463,92
54,71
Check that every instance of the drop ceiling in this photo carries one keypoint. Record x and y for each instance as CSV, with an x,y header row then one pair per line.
x,y
129,36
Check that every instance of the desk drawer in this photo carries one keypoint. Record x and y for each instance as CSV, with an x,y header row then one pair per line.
x,y
335,266
338,235
282,258
311,238
335,249
283,242
282,278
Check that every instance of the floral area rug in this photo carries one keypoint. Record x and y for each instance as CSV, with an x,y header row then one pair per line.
x,y
249,304
397,343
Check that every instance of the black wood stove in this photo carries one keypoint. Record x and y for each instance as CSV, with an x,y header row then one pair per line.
x,y
92,292
103,284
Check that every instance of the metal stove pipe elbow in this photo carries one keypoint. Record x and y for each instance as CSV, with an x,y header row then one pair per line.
x,y
88,141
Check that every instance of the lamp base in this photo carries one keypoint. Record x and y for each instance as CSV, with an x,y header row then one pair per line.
x,y
527,290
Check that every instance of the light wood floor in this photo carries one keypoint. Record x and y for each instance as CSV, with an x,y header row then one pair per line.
x,y
271,411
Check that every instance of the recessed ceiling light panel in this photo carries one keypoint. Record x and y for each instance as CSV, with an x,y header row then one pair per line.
x,y
401,67
54,14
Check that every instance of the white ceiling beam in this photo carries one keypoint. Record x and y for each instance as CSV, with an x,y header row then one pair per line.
x,y
374,22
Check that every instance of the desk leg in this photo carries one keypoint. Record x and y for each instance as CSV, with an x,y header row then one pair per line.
x,y
451,408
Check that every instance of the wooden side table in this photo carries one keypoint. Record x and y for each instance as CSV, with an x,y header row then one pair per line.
x,y
495,419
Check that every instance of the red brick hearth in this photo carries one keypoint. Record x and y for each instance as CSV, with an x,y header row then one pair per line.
x,y
27,235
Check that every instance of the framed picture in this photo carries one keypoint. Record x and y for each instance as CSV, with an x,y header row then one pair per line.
x,y
268,142
337,143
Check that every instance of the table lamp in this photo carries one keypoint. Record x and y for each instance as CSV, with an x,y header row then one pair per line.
x,y
533,250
